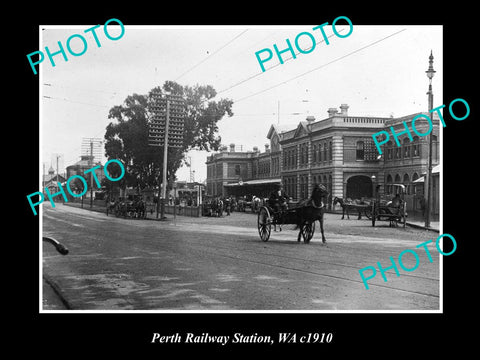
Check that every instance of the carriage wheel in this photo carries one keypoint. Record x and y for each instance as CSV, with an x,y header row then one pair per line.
x,y
403,219
264,223
368,213
308,229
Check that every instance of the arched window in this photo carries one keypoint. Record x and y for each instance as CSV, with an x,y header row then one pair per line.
x,y
414,177
360,155
397,179
389,184
406,182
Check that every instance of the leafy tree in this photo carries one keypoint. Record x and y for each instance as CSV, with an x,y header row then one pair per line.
x,y
126,138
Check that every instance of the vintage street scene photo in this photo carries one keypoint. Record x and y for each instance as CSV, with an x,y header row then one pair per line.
x,y
236,168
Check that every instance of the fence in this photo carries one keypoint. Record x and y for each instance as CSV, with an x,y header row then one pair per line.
x,y
193,211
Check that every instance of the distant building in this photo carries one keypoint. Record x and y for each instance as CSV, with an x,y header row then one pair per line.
x,y
188,193
51,179
338,152
85,163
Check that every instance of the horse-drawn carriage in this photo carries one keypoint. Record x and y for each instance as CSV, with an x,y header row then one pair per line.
x,y
394,210
213,206
133,207
362,207
303,215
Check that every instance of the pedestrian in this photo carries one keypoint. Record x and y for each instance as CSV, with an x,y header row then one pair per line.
x,y
227,205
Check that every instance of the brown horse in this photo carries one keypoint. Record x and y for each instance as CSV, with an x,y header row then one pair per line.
x,y
346,206
309,211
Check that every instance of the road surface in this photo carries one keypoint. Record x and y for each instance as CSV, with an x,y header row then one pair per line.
x,y
221,264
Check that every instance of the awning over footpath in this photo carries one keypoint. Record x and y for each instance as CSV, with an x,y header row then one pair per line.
x,y
255,182
435,170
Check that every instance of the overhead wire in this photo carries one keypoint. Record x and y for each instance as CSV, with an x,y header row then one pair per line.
x,y
319,67
274,66
208,57
251,77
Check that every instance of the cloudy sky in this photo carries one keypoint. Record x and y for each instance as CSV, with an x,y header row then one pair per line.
x,y
377,70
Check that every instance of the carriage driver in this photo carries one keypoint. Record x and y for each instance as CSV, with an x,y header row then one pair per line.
x,y
278,199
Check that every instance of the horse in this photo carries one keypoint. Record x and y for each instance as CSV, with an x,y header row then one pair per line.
x,y
140,208
346,206
256,203
110,206
217,207
311,210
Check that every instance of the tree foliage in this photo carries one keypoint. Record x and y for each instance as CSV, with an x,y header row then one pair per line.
x,y
126,137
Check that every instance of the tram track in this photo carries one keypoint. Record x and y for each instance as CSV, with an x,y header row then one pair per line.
x,y
198,253
383,254
346,251
284,267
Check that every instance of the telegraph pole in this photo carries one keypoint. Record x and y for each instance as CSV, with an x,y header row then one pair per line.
x,y
57,157
88,150
166,129
165,159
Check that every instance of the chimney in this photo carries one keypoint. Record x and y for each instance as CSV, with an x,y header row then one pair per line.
x,y
232,147
255,149
344,109
310,119
332,112
267,148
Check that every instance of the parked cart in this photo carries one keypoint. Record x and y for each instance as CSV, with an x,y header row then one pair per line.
x,y
394,210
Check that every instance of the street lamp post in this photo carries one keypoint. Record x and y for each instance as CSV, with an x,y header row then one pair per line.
x,y
428,193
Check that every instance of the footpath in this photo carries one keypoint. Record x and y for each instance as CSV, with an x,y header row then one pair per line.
x,y
412,220
419,222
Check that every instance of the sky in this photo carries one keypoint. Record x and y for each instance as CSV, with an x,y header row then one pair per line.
x,y
376,70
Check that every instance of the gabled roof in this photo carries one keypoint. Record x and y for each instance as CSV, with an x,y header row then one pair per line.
x,y
53,178
302,129
278,129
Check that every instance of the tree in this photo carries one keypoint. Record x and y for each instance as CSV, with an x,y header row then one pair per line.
x,y
126,138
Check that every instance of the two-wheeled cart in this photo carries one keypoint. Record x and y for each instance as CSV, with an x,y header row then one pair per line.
x,y
394,211
267,218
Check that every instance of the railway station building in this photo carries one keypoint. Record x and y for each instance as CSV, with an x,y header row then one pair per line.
x,y
337,151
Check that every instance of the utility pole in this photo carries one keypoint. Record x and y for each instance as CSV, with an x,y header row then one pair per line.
x,y
57,157
90,161
428,179
192,173
278,113
89,147
166,129
165,159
